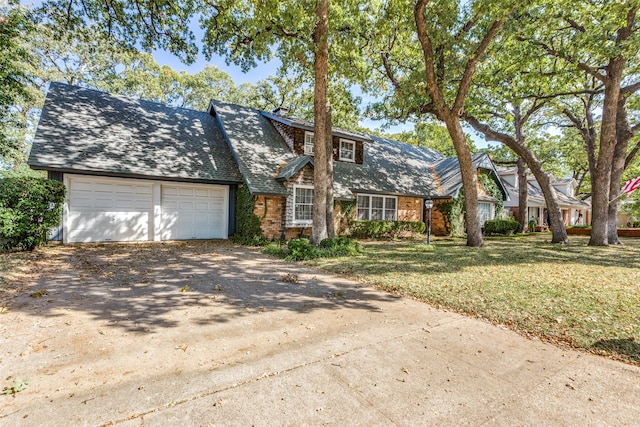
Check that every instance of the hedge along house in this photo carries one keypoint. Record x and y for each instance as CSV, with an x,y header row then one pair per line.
x,y
138,171
135,170
374,178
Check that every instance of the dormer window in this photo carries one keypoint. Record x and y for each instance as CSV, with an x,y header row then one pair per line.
x,y
309,141
347,150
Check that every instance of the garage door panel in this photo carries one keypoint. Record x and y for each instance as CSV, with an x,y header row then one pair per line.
x,y
197,212
108,210
104,203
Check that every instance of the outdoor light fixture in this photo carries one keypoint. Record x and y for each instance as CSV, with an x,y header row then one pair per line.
x,y
428,203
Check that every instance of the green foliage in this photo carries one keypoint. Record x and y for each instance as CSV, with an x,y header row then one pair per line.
x,y
29,208
248,230
378,229
431,134
302,249
491,187
14,23
506,227
453,215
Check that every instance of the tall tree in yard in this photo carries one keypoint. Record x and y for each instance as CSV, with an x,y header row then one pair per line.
x,y
453,38
600,39
510,94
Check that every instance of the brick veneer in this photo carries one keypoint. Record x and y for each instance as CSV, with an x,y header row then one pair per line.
x,y
437,219
410,208
270,210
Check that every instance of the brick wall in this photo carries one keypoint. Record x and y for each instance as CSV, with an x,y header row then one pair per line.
x,y
410,208
270,211
437,219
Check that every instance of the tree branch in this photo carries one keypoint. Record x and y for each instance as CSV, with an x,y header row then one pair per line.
x,y
581,65
427,51
465,83
488,132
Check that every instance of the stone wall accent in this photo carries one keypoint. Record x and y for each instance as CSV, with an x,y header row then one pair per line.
x,y
410,208
270,210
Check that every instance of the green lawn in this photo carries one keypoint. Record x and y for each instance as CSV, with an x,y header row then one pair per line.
x,y
587,297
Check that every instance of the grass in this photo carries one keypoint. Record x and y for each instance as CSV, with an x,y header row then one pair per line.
x,y
587,297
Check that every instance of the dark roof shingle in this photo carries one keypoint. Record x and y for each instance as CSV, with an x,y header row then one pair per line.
x,y
87,131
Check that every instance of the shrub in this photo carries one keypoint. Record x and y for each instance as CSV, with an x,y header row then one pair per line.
x,y
301,249
275,249
377,229
504,227
29,209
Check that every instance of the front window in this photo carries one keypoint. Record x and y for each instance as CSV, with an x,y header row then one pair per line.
x,y
377,207
309,141
485,211
303,204
347,150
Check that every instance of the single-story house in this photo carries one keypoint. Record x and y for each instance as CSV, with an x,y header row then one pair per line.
x,y
574,210
137,170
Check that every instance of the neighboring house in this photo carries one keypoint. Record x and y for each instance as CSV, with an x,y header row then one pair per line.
x,y
137,170
574,210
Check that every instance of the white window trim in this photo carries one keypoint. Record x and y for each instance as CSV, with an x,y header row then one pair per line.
x,y
492,213
385,197
346,159
293,214
310,134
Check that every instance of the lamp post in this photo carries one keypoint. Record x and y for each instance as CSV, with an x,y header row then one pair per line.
x,y
428,203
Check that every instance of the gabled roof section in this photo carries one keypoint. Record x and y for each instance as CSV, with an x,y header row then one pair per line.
x,y
87,131
306,125
448,171
293,167
256,145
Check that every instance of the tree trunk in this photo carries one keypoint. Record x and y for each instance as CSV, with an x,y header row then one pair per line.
x,y
320,111
469,181
523,194
556,222
331,227
601,180
623,135
559,231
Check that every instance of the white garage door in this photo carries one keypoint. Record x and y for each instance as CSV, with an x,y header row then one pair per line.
x,y
194,212
103,210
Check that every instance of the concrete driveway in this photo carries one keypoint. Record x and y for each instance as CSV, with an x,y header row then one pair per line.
x,y
209,333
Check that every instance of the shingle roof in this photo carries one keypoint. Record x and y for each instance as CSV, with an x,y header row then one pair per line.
x,y
390,167
307,125
83,130
293,167
450,177
535,197
256,145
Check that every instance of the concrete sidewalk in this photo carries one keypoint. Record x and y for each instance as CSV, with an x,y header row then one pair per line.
x,y
243,347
